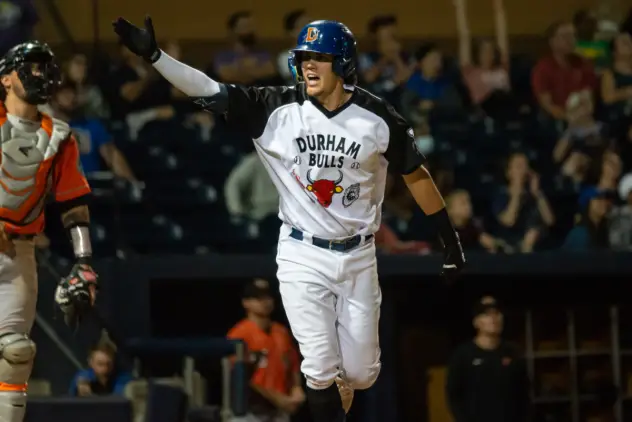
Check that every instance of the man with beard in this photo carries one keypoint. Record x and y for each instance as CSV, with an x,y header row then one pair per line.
x,y
245,63
40,157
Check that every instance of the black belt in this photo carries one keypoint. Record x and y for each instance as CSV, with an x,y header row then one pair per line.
x,y
340,245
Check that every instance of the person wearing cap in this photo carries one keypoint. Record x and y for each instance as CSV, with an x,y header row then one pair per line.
x,y
591,230
487,377
276,388
620,227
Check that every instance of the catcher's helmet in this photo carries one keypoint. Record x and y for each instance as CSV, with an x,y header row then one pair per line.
x,y
35,65
326,37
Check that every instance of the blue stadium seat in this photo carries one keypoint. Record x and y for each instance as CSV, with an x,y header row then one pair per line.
x,y
211,227
143,231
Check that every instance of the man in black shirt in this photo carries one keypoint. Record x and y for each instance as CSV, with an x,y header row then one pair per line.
x,y
487,378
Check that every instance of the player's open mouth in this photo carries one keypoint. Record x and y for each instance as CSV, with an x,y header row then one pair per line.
x,y
312,78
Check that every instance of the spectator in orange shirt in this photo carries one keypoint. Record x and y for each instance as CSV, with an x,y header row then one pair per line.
x,y
276,388
562,72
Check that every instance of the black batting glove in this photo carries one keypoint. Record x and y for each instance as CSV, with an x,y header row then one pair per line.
x,y
139,41
453,257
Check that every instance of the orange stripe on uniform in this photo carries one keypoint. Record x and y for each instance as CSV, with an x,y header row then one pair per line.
x,y
21,179
21,192
12,387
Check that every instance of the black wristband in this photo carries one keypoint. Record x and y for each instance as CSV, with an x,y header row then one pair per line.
x,y
445,227
85,260
154,56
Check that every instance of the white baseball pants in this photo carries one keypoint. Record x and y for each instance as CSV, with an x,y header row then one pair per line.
x,y
332,301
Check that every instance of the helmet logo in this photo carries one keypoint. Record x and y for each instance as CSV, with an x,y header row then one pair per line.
x,y
312,34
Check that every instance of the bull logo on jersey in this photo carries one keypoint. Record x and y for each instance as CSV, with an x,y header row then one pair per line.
x,y
324,189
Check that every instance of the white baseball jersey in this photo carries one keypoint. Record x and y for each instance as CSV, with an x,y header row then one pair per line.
x,y
329,166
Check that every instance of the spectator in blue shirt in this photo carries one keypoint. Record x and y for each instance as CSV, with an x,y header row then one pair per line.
x,y
429,87
591,231
428,81
101,378
93,138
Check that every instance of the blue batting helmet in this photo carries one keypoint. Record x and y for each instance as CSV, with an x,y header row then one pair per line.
x,y
327,37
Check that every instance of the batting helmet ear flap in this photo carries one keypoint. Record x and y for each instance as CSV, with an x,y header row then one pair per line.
x,y
349,71
295,67
346,69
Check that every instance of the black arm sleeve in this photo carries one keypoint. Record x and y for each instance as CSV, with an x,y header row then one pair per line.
x,y
74,203
455,388
402,153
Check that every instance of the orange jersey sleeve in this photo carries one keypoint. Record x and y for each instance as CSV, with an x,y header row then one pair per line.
x,y
70,181
242,331
237,332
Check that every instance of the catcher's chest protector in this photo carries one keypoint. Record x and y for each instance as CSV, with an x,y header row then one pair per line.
x,y
28,153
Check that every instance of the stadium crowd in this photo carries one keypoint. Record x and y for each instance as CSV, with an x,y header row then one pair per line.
x,y
530,154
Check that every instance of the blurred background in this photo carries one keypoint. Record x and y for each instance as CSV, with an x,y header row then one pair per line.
x,y
524,110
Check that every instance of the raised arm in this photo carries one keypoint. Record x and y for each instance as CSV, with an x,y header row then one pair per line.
x,y
502,38
192,82
248,107
187,79
465,38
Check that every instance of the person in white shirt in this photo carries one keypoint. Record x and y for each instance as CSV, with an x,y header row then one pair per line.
x,y
327,145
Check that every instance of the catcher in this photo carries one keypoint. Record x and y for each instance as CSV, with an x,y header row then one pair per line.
x,y
39,157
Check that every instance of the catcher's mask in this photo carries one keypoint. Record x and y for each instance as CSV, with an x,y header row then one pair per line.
x,y
36,68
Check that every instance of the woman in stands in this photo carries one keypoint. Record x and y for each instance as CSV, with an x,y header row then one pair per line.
x,y
486,71
89,96
616,83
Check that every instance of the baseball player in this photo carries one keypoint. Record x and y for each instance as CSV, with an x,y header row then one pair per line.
x,y
39,157
327,145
